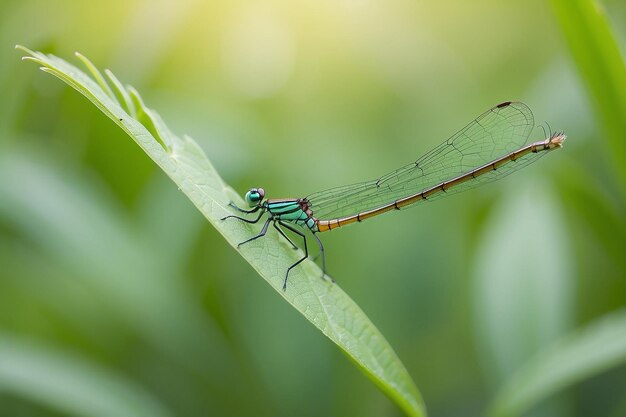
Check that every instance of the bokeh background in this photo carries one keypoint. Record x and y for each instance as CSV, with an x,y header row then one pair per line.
x,y
116,296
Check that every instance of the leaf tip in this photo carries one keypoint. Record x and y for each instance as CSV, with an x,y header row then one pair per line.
x,y
24,49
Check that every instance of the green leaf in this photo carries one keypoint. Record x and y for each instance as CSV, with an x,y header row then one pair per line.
x,y
61,214
522,286
523,292
595,348
602,67
323,303
68,385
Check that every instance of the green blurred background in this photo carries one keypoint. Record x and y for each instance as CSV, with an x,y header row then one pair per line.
x,y
117,296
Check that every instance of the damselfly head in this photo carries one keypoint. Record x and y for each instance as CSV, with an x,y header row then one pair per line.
x,y
255,196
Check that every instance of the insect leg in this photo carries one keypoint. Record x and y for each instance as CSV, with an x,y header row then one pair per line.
x,y
306,250
284,235
263,231
247,220
233,205
319,243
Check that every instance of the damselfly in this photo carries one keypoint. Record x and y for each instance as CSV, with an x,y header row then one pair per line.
x,y
490,147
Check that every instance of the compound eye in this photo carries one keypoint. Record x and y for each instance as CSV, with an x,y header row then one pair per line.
x,y
254,196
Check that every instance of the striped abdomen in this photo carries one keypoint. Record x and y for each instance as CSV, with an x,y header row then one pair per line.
x,y
553,142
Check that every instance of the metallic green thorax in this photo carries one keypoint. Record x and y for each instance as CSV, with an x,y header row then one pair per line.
x,y
292,210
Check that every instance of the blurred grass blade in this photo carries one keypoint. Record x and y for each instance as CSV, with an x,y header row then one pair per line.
x,y
324,304
70,386
522,286
602,67
61,214
595,348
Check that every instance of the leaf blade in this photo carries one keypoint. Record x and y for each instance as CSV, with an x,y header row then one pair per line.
x,y
597,55
70,385
324,304
596,347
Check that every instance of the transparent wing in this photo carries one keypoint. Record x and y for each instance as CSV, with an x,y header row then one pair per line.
x,y
495,133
